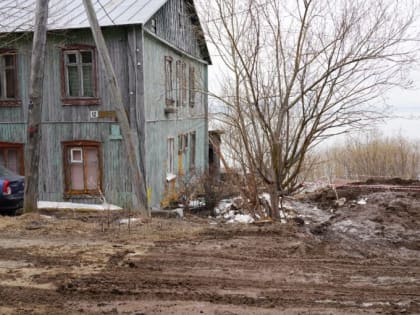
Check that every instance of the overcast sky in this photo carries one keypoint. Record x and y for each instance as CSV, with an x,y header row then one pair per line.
x,y
405,104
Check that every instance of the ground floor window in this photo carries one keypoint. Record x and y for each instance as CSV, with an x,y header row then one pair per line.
x,y
82,167
192,150
11,156
170,156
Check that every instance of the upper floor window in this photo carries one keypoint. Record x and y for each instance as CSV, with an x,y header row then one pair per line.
x,y
168,82
192,86
153,25
8,79
79,77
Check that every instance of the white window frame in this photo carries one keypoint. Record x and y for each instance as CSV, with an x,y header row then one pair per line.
x,y
72,159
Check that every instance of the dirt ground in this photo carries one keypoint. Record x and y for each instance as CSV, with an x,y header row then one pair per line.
x,y
361,256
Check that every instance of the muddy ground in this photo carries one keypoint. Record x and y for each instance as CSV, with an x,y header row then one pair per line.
x,y
360,257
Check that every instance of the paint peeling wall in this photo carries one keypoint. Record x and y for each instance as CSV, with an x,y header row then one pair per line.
x,y
161,126
67,123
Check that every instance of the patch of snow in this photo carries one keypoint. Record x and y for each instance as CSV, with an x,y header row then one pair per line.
x,y
266,196
223,206
362,201
196,203
126,220
241,218
76,206
179,211
48,217
229,215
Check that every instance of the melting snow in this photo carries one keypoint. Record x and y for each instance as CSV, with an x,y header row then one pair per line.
x,y
76,206
362,201
241,218
127,220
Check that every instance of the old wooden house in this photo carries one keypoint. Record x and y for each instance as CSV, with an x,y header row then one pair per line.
x,y
160,57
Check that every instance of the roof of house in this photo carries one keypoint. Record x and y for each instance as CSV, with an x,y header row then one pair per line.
x,y
18,15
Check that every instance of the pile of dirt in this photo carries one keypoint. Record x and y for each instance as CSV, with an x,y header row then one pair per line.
x,y
390,181
369,222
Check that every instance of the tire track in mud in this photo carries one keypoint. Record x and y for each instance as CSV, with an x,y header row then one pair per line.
x,y
170,274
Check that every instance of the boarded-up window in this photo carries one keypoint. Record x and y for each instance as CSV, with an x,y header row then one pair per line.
x,y
8,77
192,86
192,150
82,167
170,156
168,81
11,156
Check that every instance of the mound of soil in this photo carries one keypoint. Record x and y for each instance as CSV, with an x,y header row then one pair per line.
x,y
391,181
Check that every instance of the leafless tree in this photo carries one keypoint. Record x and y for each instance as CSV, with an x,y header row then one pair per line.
x,y
300,71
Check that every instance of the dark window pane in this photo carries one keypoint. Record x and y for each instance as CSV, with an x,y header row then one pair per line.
x,y
13,160
86,56
9,60
2,162
10,83
88,81
73,81
71,58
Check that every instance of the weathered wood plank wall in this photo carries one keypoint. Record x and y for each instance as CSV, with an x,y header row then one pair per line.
x,y
65,123
174,25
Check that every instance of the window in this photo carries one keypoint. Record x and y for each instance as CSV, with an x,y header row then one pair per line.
x,y
192,150
82,167
192,86
178,83
153,25
180,143
168,81
79,76
185,142
170,156
11,156
8,79
184,83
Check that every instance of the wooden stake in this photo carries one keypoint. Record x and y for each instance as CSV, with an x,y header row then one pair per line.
x,y
34,134
140,201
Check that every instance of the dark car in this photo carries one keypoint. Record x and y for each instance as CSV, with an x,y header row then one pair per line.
x,y
11,191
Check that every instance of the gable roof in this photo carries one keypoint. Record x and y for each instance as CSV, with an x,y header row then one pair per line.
x,y
18,15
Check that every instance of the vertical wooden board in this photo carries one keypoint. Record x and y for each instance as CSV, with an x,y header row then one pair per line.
x,y
174,24
157,134
115,173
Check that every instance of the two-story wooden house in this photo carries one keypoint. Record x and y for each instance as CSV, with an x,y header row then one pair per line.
x,y
160,57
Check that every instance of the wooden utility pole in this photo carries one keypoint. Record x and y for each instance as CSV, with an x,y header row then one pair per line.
x,y
138,180
34,135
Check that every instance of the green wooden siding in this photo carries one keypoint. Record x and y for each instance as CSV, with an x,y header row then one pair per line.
x,y
161,126
138,58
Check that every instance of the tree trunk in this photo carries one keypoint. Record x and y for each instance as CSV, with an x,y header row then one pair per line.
x,y
34,134
129,138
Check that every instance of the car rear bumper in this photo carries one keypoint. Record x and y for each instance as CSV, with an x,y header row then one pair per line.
x,y
10,204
